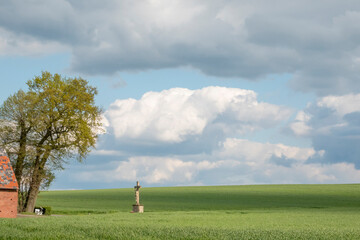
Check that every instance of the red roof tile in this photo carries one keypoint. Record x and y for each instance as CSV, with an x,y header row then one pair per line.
x,y
7,176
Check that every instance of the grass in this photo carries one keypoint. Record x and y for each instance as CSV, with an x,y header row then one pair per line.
x,y
204,198
224,212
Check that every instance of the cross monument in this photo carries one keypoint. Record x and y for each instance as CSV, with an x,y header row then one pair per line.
x,y
137,193
137,207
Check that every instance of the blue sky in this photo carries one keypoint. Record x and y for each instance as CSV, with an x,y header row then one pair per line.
x,y
200,92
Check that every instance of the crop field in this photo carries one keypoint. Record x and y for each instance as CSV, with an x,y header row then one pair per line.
x,y
219,212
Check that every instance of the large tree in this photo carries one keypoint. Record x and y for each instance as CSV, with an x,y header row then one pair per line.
x,y
56,119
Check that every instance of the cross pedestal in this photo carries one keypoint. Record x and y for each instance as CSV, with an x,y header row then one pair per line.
x,y
138,208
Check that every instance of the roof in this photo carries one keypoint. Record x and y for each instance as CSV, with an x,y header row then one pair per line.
x,y
7,176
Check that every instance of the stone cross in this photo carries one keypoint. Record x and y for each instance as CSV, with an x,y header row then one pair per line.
x,y
137,193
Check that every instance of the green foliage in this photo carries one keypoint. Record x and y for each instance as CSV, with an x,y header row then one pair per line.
x,y
67,116
47,210
55,120
226,212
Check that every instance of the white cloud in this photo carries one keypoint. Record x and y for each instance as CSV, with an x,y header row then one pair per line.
x,y
223,38
103,152
15,45
238,161
307,122
312,173
178,114
332,123
313,121
152,170
258,153
341,104
300,125
246,162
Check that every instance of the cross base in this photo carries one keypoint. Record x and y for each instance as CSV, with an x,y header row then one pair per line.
x,y
138,208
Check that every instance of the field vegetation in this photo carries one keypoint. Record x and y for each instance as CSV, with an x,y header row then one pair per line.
x,y
219,212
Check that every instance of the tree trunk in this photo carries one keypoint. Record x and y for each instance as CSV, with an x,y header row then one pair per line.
x,y
37,177
34,190
19,165
31,197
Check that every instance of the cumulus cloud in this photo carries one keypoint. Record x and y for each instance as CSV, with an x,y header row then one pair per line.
x,y
237,161
300,125
333,124
152,170
319,46
326,115
342,105
178,114
158,170
14,45
258,153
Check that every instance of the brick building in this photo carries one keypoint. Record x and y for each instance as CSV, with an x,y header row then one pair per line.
x,y
8,189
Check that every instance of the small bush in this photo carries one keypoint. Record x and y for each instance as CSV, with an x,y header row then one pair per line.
x,y
47,210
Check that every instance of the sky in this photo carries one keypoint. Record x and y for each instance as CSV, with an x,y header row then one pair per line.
x,y
207,92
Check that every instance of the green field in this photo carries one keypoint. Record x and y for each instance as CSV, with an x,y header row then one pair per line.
x,y
221,212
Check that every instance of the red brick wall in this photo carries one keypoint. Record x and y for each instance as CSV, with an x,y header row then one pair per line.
x,y
8,203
